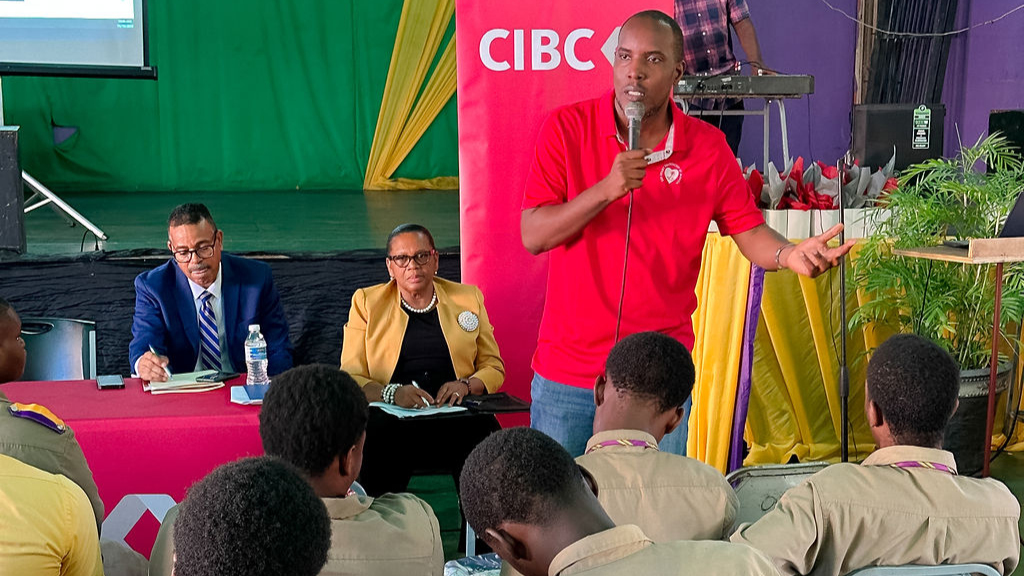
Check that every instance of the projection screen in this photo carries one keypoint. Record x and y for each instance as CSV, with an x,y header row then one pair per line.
x,y
74,38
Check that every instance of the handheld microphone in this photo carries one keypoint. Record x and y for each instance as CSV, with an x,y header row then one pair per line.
x,y
634,114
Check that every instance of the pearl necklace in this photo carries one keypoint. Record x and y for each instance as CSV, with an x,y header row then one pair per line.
x,y
433,301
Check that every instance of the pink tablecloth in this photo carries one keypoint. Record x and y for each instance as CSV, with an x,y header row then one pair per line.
x,y
137,443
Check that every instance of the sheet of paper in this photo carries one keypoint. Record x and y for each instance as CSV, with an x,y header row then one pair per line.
x,y
204,387
415,412
184,382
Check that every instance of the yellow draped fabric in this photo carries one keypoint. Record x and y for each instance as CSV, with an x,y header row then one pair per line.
x,y
794,401
403,118
718,326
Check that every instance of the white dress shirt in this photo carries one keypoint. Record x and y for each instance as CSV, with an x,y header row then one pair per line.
x,y
218,311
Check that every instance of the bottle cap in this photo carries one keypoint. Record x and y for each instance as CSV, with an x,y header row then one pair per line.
x,y
254,327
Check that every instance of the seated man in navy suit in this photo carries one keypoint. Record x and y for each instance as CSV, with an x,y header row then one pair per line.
x,y
195,310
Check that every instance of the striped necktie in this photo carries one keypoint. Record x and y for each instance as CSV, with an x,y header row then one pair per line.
x,y
209,341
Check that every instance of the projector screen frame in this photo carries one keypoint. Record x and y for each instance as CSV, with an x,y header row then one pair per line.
x,y
145,72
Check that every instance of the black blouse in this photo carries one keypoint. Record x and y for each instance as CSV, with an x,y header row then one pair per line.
x,y
425,357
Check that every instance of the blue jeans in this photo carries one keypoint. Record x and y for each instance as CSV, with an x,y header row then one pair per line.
x,y
566,413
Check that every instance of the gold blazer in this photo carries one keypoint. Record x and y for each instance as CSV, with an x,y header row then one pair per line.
x,y
376,327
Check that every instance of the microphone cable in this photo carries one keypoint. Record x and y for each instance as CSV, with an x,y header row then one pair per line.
x,y
625,262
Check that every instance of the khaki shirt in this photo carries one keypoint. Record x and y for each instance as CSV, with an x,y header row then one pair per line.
x,y
46,524
848,517
624,550
394,535
48,450
669,497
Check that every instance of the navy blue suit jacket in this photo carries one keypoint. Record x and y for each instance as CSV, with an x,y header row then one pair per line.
x,y
165,315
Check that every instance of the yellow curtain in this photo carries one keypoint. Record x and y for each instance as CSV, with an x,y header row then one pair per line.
x,y
794,403
403,119
794,400
718,326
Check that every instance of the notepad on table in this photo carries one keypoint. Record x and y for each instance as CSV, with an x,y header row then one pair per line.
x,y
240,396
185,382
415,412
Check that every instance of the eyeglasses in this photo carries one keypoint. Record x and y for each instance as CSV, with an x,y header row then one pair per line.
x,y
420,258
204,251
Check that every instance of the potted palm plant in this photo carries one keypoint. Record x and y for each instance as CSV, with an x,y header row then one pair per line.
x,y
968,196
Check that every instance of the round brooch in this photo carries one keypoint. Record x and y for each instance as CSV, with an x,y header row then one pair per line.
x,y
468,321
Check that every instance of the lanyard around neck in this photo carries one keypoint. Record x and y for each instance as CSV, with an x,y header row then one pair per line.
x,y
922,464
658,155
623,442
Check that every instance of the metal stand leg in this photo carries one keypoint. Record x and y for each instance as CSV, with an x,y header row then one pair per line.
x,y
991,416
767,131
48,197
785,131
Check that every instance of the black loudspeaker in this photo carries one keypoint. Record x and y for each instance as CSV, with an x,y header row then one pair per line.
x,y
916,130
1010,123
12,193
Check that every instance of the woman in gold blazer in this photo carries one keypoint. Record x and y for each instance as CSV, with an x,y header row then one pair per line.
x,y
416,341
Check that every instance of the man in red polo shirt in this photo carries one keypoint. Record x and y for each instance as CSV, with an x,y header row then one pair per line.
x,y
583,184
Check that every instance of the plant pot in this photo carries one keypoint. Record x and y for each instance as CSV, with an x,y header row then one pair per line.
x,y
777,220
965,434
799,225
822,220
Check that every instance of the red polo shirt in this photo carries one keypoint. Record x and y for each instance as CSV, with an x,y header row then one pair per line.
x,y
699,182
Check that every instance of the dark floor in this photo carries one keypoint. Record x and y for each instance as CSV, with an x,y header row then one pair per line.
x,y
317,221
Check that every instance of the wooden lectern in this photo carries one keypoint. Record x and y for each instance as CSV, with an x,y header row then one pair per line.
x,y
996,251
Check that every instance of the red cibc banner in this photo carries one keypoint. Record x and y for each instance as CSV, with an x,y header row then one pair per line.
x,y
518,61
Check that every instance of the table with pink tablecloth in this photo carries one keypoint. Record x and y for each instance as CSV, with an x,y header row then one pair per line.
x,y
138,443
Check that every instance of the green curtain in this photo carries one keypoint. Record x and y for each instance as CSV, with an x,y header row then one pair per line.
x,y
251,95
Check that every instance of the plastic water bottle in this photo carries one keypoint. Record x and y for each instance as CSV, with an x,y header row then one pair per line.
x,y
256,357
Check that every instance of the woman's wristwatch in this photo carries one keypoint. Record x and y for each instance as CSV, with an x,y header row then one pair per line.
x,y
469,387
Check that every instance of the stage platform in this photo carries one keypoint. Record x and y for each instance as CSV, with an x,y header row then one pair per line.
x,y
289,221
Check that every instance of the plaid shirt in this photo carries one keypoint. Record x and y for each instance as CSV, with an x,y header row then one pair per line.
x,y
707,42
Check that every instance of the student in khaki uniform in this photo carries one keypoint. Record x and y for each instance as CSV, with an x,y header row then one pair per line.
x,y
46,524
248,517
905,504
648,376
529,501
315,418
31,433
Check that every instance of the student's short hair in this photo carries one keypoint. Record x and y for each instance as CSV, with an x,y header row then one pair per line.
x,y
405,229
311,415
662,18
252,516
518,475
652,366
915,384
190,213
4,306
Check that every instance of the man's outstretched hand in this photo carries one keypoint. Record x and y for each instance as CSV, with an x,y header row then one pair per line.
x,y
813,256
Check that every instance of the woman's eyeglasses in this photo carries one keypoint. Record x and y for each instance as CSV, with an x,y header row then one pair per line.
x,y
420,258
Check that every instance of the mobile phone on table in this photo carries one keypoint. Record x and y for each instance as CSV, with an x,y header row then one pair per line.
x,y
217,377
110,382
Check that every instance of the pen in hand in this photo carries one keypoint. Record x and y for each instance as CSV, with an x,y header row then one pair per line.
x,y
425,403
155,353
